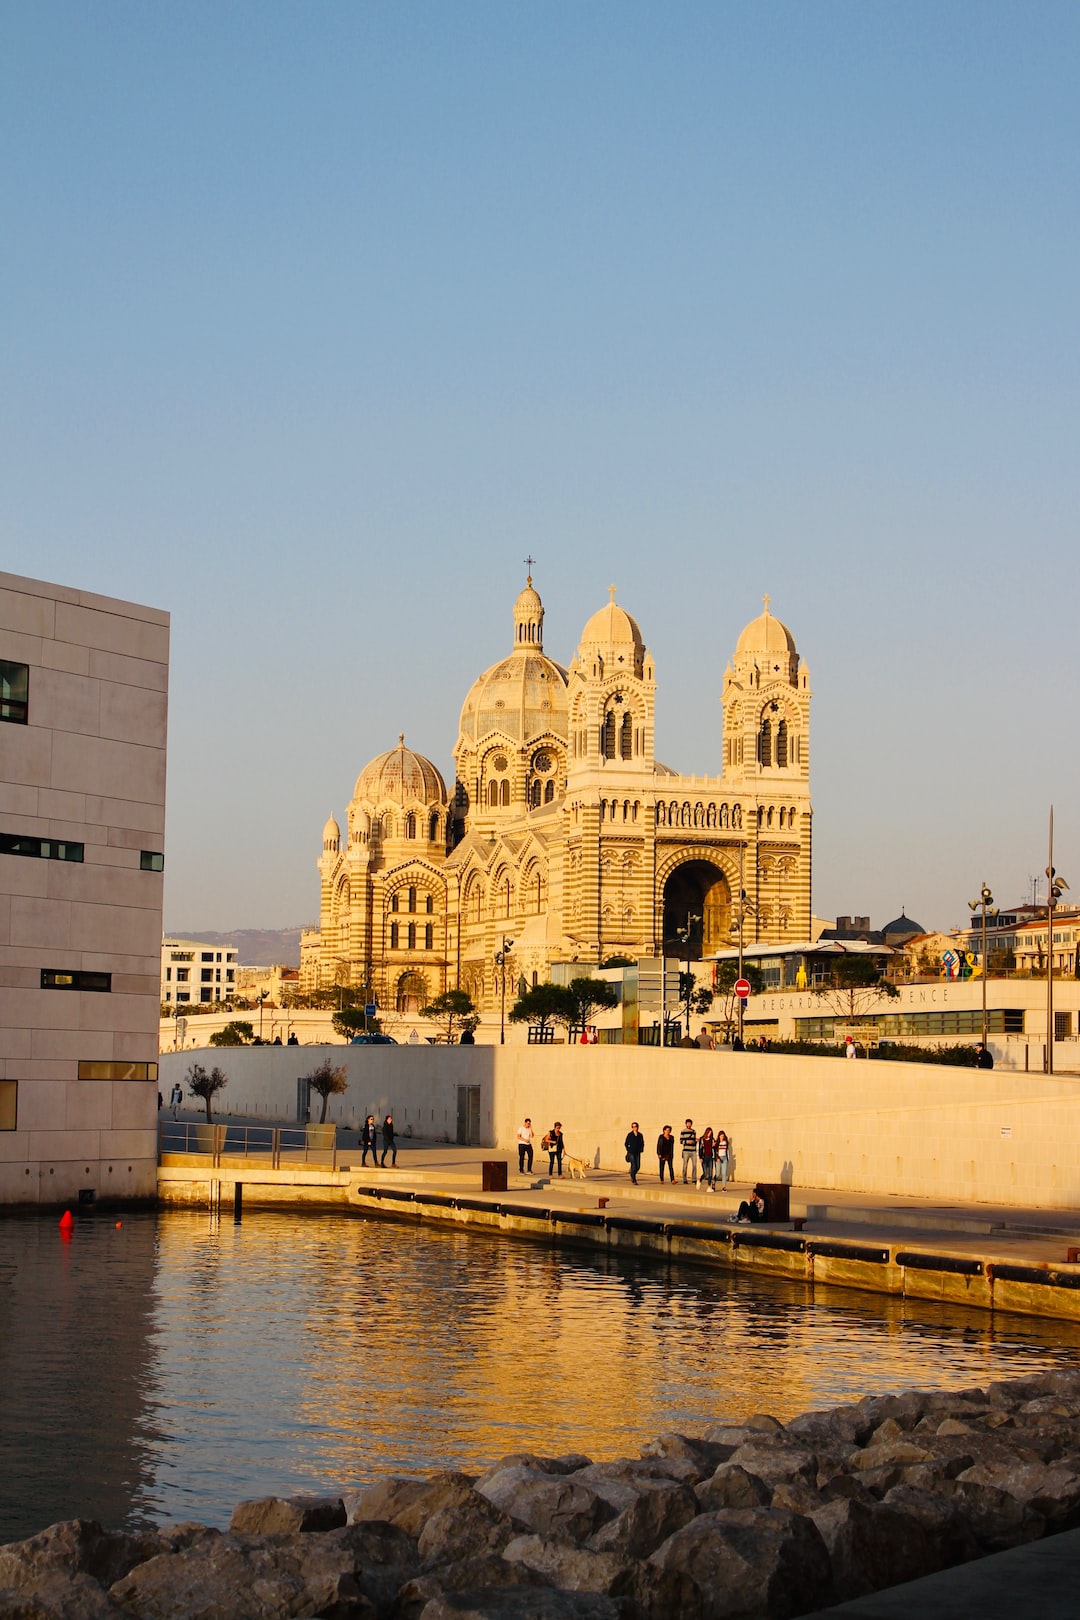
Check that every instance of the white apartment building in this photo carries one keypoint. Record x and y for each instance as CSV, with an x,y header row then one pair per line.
x,y
83,712
193,970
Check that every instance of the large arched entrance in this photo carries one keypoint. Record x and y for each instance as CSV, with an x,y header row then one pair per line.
x,y
696,889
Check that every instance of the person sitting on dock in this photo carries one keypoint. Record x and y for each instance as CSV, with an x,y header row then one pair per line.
x,y
752,1208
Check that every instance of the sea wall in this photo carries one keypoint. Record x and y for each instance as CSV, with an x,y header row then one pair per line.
x,y
928,1130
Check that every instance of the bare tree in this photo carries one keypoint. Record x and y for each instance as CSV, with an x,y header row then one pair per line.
x,y
328,1082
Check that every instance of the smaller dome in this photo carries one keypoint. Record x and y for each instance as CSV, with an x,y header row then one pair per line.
x,y
528,601
331,833
401,775
902,928
766,634
612,626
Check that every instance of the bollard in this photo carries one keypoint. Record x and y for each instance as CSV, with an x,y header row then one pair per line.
x,y
238,1202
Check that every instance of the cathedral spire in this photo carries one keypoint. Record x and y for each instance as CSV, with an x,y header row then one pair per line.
x,y
529,617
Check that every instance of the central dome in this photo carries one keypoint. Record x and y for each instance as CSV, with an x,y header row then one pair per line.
x,y
522,697
402,776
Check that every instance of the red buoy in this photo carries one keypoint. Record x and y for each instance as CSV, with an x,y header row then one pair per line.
x,y
67,1221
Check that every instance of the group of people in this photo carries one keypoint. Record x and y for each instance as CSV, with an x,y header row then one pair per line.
x,y
553,1143
369,1141
708,1155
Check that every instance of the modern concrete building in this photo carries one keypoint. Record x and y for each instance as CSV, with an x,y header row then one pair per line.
x,y
193,970
83,701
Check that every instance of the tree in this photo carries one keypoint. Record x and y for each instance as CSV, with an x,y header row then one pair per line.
x,y
328,1082
727,976
238,1033
853,987
450,1006
206,1086
350,1021
588,996
544,1004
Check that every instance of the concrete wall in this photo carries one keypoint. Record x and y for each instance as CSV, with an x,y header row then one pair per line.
x,y
87,767
871,1127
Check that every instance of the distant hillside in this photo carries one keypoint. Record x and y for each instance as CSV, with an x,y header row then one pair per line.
x,y
258,947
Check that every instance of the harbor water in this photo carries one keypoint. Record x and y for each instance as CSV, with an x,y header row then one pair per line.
x,y
162,1366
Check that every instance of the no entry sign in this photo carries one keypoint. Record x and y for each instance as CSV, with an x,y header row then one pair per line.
x,y
742,988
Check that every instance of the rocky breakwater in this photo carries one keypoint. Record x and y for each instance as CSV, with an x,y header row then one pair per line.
x,y
755,1519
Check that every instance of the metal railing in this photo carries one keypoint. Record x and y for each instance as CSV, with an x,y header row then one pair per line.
x,y
278,1146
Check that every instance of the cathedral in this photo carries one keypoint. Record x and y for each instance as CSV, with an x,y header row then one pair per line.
x,y
563,833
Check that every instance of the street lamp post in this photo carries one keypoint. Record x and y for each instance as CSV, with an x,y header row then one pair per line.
x,y
985,903
500,962
685,934
1054,887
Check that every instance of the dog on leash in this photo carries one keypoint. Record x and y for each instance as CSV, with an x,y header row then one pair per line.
x,y
576,1167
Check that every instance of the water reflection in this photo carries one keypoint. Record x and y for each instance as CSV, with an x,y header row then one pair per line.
x,y
168,1369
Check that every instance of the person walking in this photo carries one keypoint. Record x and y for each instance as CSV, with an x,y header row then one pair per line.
x,y
389,1142
984,1058
707,1155
688,1143
635,1147
176,1097
723,1156
369,1142
665,1152
554,1146
525,1148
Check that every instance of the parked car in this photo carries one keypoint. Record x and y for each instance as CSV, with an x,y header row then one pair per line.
x,y
373,1040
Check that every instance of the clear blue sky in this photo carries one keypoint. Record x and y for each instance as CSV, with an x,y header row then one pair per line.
x,y
318,318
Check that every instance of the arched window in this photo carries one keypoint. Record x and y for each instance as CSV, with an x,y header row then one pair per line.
x,y
637,806
768,818
607,735
504,791
506,912
429,936
388,826
412,897
393,936
626,736
429,904
493,793
549,792
781,745
764,744
433,830
410,825
534,794
393,902
412,936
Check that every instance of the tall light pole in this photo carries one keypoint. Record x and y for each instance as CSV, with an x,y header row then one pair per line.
x,y
985,903
1054,887
500,962
685,934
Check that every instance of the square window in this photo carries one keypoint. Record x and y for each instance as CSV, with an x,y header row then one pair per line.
x,y
182,975
14,692
151,860
206,993
206,975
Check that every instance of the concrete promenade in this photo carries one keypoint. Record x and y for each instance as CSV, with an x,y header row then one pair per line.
x,y
979,1255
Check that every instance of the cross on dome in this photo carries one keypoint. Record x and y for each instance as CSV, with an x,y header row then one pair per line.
x,y
611,592
529,565
766,599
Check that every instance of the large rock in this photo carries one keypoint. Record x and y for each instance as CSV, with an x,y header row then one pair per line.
x,y
1054,1492
549,1504
465,1527
243,1578
996,1520
750,1562
732,1487
657,1510
697,1459
948,1533
569,1464
464,1574
77,1547
57,1595
775,1457
441,1489
385,1500
287,1515
658,1593
871,1547
518,1603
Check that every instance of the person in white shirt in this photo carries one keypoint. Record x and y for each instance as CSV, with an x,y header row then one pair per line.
x,y
851,1052
525,1148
